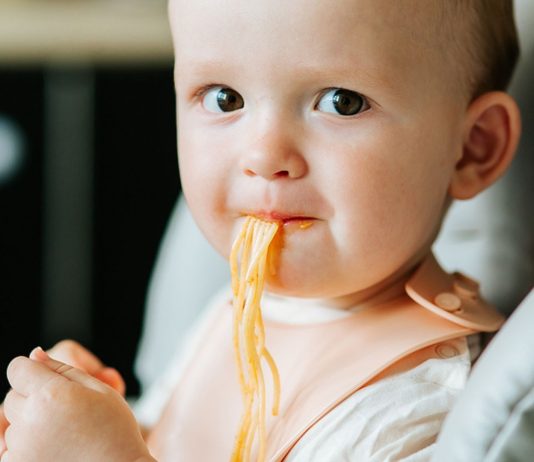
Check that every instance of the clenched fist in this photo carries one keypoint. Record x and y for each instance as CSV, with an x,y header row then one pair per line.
x,y
58,413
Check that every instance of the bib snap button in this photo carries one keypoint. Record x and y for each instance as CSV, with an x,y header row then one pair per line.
x,y
448,302
446,351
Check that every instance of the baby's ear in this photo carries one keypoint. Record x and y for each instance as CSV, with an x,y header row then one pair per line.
x,y
491,133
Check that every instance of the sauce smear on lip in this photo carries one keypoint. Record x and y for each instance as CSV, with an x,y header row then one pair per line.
x,y
305,224
297,224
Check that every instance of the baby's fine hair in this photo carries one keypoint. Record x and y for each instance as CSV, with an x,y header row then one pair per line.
x,y
483,39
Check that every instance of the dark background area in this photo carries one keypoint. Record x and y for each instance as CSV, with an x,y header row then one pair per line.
x,y
135,185
21,99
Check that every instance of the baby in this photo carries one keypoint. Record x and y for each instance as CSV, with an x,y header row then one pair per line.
x,y
353,124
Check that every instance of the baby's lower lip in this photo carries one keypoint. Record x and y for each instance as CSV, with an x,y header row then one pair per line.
x,y
298,222
288,223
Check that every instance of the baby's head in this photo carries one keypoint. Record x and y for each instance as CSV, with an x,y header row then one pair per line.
x,y
364,118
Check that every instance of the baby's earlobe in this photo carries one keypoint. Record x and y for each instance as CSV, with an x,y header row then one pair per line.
x,y
492,128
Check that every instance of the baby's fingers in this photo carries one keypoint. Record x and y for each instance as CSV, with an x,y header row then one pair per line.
x,y
29,376
13,406
4,423
112,377
3,426
40,358
72,353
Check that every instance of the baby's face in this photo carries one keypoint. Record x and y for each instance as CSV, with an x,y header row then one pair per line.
x,y
336,112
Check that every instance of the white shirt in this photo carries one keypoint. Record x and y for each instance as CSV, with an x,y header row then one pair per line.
x,y
395,419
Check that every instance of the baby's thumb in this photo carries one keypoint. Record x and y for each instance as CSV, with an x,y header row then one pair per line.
x,y
69,372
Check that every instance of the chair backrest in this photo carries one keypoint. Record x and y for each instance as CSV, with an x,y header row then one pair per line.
x,y
187,273
493,419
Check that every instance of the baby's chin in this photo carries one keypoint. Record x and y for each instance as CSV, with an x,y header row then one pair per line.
x,y
324,282
294,273
330,295
301,283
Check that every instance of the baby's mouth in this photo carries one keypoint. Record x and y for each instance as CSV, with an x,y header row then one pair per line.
x,y
286,220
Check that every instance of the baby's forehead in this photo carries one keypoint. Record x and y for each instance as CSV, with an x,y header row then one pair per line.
x,y
404,36
412,23
421,19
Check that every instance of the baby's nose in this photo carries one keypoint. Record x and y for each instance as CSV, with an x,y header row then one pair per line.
x,y
274,160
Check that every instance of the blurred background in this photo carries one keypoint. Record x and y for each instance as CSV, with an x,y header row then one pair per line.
x,y
88,171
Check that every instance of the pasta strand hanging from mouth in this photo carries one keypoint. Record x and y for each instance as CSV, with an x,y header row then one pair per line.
x,y
248,262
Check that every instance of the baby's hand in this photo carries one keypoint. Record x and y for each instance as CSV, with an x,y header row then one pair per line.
x,y
3,426
75,355
59,414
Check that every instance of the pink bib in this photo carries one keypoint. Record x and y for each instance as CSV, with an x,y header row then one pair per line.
x,y
320,365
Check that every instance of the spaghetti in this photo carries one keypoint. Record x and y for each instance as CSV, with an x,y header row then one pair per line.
x,y
248,262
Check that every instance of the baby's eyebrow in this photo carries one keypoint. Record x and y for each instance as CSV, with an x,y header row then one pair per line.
x,y
198,65
367,76
358,78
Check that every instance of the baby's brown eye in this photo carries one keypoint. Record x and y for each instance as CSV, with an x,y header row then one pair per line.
x,y
229,100
222,99
341,101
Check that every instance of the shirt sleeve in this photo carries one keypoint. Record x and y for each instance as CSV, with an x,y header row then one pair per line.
x,y
395,419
